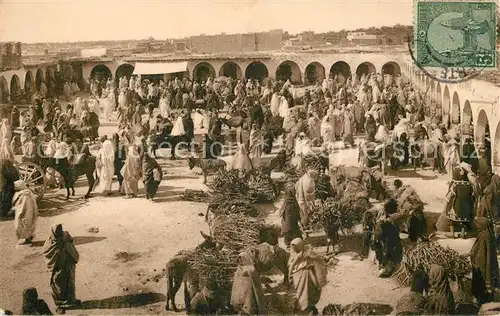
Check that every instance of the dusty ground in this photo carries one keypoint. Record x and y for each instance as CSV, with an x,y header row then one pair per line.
x,y
124,245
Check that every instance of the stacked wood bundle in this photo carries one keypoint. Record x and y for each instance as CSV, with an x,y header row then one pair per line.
x,y
215,267
426,253
221,204
344,213
236,231
255,185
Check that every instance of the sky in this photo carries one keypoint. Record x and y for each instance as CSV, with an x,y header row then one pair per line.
x,y
31,21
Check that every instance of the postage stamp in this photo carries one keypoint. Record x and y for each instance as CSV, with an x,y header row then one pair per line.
x,y
458,34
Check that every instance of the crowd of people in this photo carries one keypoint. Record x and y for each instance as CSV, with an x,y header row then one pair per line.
x,y
334,109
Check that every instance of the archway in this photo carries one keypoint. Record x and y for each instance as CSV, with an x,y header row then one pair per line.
x,y
100,72
391,68
455,109
446,102
15,89
432,91
340,69
439,97
496,148
203,71
230,69
314,72
289,70
28,85
49,82
78,75
38,78
124,70
4,90
256,70
466,118
365,69
482,128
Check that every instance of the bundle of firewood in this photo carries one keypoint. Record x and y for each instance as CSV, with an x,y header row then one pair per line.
x,y
236,231
215,267
254,185
344,213
225,204
426,253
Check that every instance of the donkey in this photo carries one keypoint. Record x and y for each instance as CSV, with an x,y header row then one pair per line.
x,y
266,257
71,174
177,272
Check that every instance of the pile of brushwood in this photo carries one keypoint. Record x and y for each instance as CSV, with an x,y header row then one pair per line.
x,y
344,213
254,185
216,267
225,204
235,232
425,253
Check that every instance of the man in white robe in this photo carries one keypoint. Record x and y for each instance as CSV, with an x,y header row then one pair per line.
x,y
275,104
26,213
284,108
302,148
305,189
105,163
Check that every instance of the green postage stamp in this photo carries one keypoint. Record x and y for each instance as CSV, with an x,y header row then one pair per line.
x,y
455,33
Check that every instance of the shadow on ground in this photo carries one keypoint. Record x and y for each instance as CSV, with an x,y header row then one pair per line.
x,y
56,204
168,194
78,240
126,301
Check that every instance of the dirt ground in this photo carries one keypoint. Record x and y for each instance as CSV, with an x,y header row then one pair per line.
x,y
125,243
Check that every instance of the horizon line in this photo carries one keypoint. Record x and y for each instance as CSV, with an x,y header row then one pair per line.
x,y
202,34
